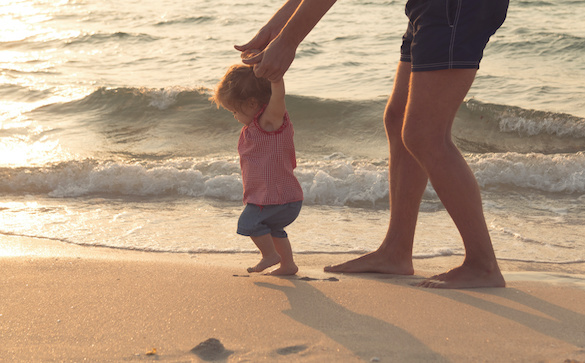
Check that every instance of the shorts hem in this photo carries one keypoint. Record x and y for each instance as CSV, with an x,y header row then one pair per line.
x,y
405,58
253,234
277,234
443,66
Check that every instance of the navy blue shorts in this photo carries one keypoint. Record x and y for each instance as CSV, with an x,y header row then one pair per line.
x,y
258,220
448,34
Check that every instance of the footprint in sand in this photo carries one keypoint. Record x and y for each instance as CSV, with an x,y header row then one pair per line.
x,y
294,349
314,279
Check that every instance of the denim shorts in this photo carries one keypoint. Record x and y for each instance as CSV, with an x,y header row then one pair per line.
x,y
257,220
448,34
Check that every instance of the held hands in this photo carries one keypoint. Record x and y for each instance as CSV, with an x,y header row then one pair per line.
x,y
270,61
247,54
278,40
252,51
252,56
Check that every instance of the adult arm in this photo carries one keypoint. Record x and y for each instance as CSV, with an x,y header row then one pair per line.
x,y
272,28
277,57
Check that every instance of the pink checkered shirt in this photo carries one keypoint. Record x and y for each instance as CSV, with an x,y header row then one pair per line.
x,y
267,160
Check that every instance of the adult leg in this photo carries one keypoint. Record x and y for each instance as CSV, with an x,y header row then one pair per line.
x,y
407,184
434,99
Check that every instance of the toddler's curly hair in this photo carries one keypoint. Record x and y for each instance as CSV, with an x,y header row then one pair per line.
x,y
238,85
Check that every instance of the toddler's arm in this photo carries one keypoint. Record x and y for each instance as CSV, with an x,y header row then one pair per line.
x,y
273,116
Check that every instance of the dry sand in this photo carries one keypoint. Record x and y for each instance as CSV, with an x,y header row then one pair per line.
x,y
70,303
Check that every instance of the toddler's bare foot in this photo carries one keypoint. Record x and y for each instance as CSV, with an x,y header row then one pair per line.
x,y
264,263
285,270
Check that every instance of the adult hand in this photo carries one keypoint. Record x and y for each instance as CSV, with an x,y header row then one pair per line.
x,y
259,42
274,61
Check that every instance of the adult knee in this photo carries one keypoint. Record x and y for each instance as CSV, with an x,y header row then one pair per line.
x,y
422,142
393,122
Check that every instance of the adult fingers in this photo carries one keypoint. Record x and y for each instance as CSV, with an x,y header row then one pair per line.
x,y
252,58
250,53
260,41
242,48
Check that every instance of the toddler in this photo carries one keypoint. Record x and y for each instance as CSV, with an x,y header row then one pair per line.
x,y
272,194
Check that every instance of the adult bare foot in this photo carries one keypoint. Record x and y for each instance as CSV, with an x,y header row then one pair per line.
x,y
373,262
285,270
465,277
264,263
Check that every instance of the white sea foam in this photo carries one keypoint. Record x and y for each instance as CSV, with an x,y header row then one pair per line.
x,y
552,124
163,98
558,173
325,182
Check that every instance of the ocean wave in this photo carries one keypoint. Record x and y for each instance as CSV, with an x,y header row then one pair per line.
x,y
540,42
130,99
561,43
186,20
335,182
99,38
525,122
556,173
338,183
485,127
142,123
68,39
15,92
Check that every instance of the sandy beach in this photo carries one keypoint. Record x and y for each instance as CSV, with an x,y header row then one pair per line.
x,y
71,303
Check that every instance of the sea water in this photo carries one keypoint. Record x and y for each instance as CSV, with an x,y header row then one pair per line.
x,y
107,136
